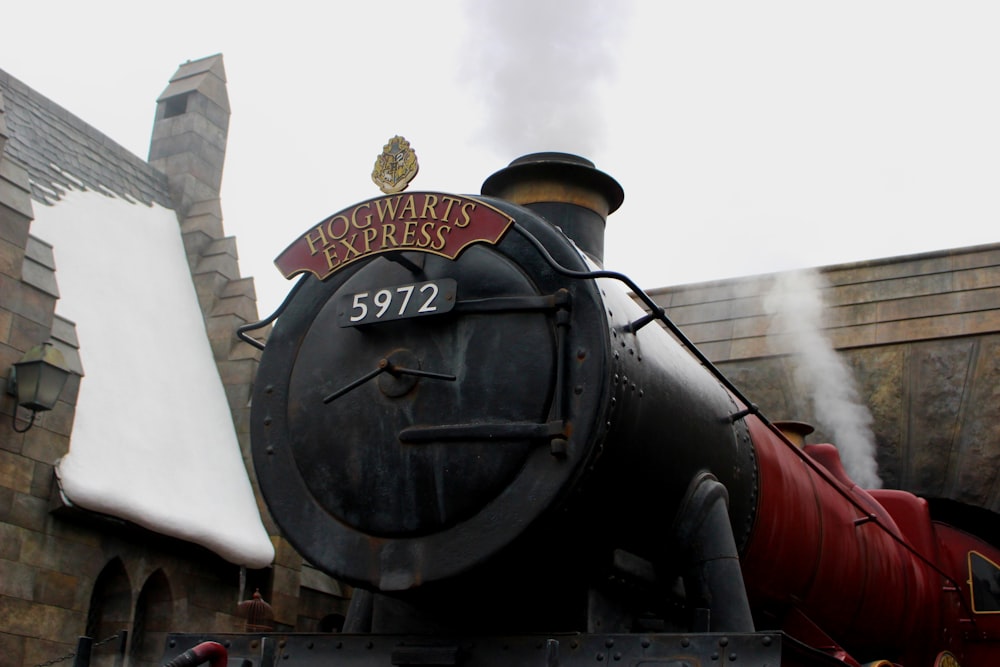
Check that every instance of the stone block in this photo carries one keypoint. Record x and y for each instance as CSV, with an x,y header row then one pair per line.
x,y
40,621
980,278
850,337
243,308
27,301
14,228
61,555
709,331
74,531
13,651
38,276
285,554
238,396
936,378
59,419
10,540
16,580
29,511
284,580
6,502
55,588
208,286
16,472
43,480
237,372
44,446
223,264
285,607
13,196
26,334
6,319
195,243
11,260
11,441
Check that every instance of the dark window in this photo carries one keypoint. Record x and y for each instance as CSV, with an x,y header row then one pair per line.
x,y
175,106
985,577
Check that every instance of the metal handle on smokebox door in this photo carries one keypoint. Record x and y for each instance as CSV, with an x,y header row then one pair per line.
x,y
386,366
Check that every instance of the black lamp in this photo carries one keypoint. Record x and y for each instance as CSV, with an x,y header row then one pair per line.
x,y
37,380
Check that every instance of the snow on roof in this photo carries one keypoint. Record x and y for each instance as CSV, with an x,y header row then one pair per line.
x,y
153,440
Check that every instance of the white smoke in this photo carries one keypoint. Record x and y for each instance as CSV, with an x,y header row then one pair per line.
x,y
796,303
540,68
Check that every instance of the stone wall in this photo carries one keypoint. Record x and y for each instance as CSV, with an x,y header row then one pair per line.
x,y
921,335
65,572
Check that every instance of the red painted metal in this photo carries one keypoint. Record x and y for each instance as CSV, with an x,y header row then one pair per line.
x,y
825,552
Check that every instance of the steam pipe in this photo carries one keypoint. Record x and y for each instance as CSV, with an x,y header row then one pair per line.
x,y
712,576
212,652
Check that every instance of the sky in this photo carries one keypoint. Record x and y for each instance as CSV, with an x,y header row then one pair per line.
x,y
749,137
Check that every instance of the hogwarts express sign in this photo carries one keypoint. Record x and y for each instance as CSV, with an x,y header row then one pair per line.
x,y
432,222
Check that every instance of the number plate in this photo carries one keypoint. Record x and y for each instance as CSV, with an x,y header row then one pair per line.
x,y
396,303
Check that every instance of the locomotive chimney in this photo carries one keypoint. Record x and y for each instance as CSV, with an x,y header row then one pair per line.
x,y
567,190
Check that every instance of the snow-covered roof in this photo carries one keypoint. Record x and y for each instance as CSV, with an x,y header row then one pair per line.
x,y
153,438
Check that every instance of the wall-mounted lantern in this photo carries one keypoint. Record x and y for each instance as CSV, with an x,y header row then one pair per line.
x,y
37,380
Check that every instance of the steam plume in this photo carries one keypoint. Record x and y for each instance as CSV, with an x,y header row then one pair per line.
x,y
540,67
796,303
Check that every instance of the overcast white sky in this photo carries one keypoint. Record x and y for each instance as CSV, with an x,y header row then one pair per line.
x,y
749,136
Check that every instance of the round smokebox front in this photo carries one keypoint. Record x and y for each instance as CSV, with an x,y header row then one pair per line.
x,y
409,421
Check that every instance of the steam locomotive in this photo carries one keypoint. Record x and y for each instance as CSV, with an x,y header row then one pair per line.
x,y
461,414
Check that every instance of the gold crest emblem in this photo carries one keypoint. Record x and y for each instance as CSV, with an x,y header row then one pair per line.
x,y
396,166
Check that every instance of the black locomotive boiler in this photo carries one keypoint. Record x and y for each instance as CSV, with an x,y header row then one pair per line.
x,y
463,415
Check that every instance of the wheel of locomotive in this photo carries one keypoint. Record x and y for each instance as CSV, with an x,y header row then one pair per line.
x,y
400,452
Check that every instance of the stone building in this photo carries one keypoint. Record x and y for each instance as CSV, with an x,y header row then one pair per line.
x,y
920,338
130,505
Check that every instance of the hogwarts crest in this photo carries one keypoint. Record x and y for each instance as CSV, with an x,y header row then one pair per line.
x,y
396,166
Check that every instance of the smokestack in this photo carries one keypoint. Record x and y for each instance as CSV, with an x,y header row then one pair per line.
x,y
565,189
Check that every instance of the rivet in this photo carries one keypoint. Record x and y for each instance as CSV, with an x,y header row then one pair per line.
x,y
645,643
269,450
267,421
732,657
269,389
618,656
599,657
724,641
685,642
715,656
172,643
578,390
609,642
767,641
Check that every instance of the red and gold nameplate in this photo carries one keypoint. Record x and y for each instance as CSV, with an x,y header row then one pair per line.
x,y
432,222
